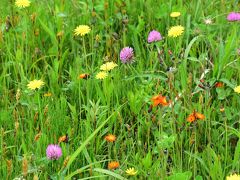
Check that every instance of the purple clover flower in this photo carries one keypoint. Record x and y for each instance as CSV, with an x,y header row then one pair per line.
x,y
233,16
53,152
126,55
154,36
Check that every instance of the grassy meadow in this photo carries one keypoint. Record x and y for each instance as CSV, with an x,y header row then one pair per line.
x,y
174,109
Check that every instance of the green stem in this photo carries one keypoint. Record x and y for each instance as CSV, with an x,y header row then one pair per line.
x,y
163,62
85,52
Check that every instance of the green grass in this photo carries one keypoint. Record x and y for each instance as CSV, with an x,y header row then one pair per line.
x,y
160,144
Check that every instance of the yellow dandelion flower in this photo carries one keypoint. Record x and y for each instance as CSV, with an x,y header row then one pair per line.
x,y
131,171
175,14
175,31
237,89
233,177
101,75
35,84
82,30
22,3
108,66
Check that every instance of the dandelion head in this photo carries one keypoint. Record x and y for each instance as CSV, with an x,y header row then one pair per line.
x,y
233,177
108,66
113,165
175,31
154,36
81,30
208,21
110,138
35,84
22,3
237,89
53,152
126,55
101,75
131,171
175,14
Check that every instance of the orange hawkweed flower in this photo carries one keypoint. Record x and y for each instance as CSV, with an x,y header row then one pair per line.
x,y
159,99
218,84
113,165
194,116
63,139
83,76
110,138
191,118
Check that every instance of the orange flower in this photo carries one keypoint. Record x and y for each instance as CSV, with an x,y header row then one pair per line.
x,y
199,116
191,118
63,139
218,84
194,116
113,165
110,138
83,76
159,99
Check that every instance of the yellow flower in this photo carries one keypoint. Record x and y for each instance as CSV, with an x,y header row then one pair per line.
x,y
22,3
101,75
175,14
108,66
82,30
175,31
131,171
233,177
35,84
237,89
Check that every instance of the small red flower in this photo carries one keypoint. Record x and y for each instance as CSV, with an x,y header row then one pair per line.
x,y
219,84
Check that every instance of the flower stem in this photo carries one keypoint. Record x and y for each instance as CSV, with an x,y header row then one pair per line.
x,y
85,53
